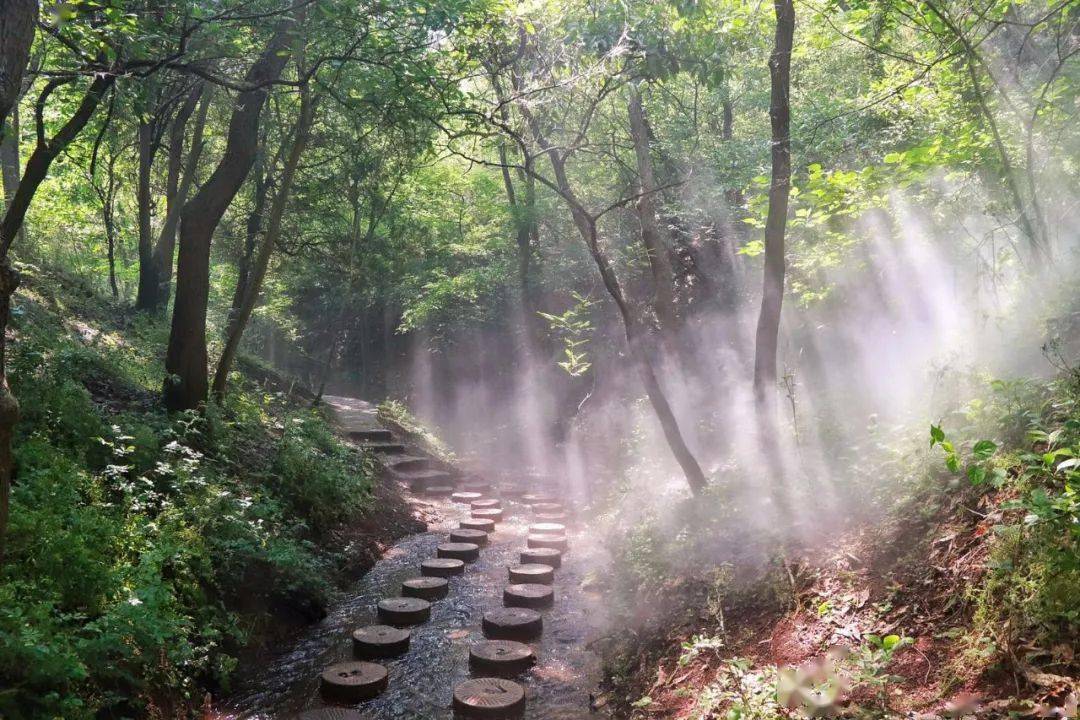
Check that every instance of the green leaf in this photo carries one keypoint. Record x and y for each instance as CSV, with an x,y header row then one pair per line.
x,y
936,435
984,449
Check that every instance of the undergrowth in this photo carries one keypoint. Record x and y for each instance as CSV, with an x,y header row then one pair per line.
x,y
144,549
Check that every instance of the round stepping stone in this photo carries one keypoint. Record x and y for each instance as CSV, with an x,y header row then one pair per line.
x,y
495,514
542,556
352,682
548,507
404,611
486,503
380,641
546,541
426,588
465,551
484,524
466,497
532,573
329,713
528,595
485,698
534,498
442,567
548,527
439,490
468,535
500,658
556,517
513,624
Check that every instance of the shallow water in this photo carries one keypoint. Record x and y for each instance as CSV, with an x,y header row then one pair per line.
x,y
422,681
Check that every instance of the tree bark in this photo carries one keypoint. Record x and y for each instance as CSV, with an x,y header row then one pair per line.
x,y
183,172
17,21
772,293
261,261
10,167
251,236
146,151
186,384
657,250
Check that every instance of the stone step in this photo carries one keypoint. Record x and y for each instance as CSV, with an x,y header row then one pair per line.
x,y
372,435
405,463
423,479
384,448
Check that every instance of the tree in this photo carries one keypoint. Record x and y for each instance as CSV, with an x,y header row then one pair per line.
x,y
772,289
187,382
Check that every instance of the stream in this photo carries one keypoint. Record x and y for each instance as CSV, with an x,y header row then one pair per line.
x,y
422,681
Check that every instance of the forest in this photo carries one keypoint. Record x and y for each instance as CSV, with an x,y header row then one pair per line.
x,y
556,359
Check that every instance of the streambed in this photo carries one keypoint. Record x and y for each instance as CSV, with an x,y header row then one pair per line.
x,y
422,681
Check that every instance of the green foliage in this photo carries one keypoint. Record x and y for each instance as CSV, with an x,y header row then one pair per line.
x,y
136,538
574,328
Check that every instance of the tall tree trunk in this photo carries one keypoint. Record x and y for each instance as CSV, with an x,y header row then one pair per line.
x,y
10,167
772,292
184,172
636,334
37,166
143,200
186,384
657,250
262,259
251,236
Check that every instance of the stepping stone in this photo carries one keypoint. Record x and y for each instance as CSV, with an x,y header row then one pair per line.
x,y
466,497
489,698
532,573
557,517
528,595
534,499
352,682
468,535
426,588
548,507
495,514
329,713
439,490
465,551
542,556
484,524
486,503
380,641
404,611
442,567
500,658
513,624
546,541
420,479
548,527
474,485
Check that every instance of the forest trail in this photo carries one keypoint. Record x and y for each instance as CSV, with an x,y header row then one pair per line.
x,y
421,682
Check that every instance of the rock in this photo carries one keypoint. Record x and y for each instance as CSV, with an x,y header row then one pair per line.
x,y
426,588
352,682
468,535
380,641
500,658
404,611
542,556
495,514
546,541
489,698
484,524
465,551
513,624
532,573
528,595
442,567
